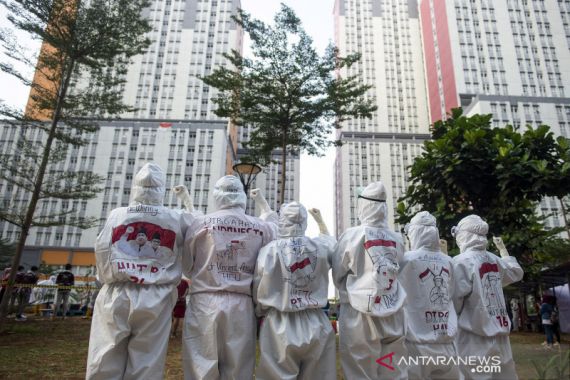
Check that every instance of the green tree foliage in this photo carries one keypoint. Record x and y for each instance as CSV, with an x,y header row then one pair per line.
x,y
498,173
288,93
87,46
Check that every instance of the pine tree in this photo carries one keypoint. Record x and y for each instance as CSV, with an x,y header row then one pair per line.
x,y
290,96
86,49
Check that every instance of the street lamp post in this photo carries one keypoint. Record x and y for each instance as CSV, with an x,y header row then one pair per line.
x,y
247,173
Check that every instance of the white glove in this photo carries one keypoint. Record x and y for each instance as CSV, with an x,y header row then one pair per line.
x,y
498,241
259,200
316,214
443,246
182,193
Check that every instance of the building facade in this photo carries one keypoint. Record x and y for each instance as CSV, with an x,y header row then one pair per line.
x,y
174,125
192,152
505,58
189,38
508,58
387,35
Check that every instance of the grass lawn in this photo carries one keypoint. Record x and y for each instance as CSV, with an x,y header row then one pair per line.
x,y
42,349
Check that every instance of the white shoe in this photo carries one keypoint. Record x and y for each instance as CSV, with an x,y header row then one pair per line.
x,y
556,344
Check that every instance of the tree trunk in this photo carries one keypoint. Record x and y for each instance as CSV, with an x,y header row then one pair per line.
x,y
281,198
563,209
25,229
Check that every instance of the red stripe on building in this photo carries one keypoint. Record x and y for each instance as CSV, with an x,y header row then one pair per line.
x,y
450,97
445,56
430,63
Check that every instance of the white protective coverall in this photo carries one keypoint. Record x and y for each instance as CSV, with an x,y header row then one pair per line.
x,y
220,326
132,314
290,289
426,274
479,276
365,271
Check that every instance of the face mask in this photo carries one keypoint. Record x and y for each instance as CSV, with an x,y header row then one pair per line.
x,y
454,231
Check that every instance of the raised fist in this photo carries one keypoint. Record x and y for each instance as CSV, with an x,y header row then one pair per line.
x,y
498,241
182,193
260,200
255,194
179,189
316,214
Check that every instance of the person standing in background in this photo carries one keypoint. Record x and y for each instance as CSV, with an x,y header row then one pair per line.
x,y
64,281
5,277
16,290
546,311
180,306
29,279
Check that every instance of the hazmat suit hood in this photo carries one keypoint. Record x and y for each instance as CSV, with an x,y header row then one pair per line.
x,y
422,232
471,233
372,209
149,186
228,193
292,220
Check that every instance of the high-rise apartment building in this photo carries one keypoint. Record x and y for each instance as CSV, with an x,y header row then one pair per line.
x,y
174,126
192,152
189,38
387,35
507,58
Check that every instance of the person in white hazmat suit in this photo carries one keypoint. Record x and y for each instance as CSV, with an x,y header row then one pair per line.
x,y
479,276
131,318
372,323
426,274
290,288
219,325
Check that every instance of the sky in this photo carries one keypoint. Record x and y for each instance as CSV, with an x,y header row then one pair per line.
x,y
12,91
317,184
316,177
